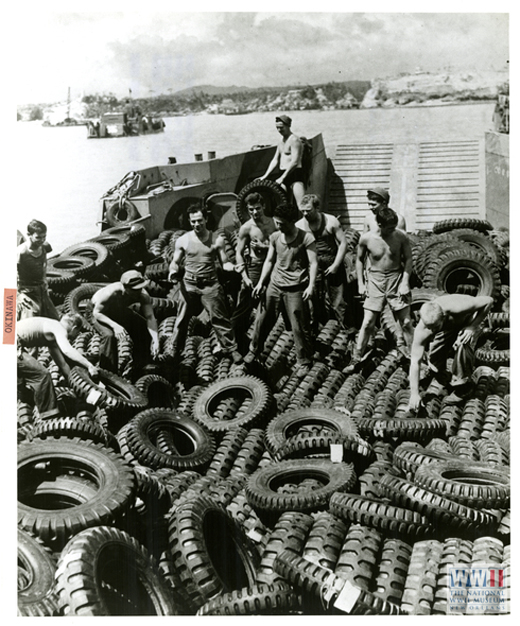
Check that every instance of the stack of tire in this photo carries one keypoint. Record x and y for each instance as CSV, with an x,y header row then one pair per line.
x,y
212,489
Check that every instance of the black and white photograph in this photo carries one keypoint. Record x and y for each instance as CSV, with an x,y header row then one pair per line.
x,y
260,311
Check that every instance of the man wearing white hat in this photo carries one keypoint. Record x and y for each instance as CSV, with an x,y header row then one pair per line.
x,y
111,316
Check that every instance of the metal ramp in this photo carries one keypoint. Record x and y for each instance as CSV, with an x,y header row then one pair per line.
x,y
428,181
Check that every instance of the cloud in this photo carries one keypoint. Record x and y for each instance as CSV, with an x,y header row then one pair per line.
x,y
157,52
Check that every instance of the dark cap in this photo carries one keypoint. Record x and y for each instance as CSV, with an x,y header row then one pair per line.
x,y
133,280
285,119
382,193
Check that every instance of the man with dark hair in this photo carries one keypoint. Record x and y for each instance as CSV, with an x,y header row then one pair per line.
x,y
203,253
33,295
38,332
292,266
379,198
389,254
286,165
331,247
112,316
448,323
251,251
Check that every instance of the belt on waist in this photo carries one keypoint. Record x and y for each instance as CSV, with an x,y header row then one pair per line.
x,y
200,278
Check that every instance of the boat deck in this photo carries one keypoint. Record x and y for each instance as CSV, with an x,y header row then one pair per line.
x,y
428,181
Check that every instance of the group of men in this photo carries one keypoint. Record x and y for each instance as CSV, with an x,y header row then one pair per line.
x,y
293,262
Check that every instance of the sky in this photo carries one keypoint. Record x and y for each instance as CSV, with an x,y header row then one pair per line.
x,y
153,51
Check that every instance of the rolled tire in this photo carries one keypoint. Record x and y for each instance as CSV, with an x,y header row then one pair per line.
x,y
117,393
263,489
289,424
40,463
88,584
480,241
355,449
251,394
69,427
455,266
420,429
115,242
192,447
78,301
79,266
210,552
272,193
118,214
393,520
276,599
158,390
409,456
320,582
90,250
473,484
36,594
445,226
449,516
393,568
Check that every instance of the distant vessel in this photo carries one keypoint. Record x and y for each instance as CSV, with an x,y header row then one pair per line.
x,y
126,123
68,121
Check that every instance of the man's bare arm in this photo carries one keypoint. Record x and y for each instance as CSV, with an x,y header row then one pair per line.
x,y
274,162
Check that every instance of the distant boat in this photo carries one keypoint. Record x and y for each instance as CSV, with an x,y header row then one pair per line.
x,y
120,124
68,121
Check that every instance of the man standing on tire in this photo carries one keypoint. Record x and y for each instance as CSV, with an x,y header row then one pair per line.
x,y
38,332
203,253
286,164
449,322
33,295
389,257
331,247
378,198
292,266
251,251
112,316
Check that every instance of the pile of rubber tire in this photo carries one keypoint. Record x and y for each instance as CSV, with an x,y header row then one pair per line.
x,y
212,489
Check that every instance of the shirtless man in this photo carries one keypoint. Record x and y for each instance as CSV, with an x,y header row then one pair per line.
x,y
450,322
290,268
287,160
331,247
203,253
33,294
378,198
111,316
253,237
37,332
390,265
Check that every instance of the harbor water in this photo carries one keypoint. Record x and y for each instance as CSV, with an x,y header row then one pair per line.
x,y
68,173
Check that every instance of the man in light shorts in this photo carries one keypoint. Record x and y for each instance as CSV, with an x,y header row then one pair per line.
x,y
389,254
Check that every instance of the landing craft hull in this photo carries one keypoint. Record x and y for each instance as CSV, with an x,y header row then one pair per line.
x,y
161,194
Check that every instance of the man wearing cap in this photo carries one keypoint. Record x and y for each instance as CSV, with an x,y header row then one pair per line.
x,y
286,164
203,254
111,317
379,198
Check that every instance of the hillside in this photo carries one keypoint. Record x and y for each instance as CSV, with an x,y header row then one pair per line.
x,y
419,89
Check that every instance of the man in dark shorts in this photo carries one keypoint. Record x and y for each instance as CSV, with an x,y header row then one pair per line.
x,y
112,316
33,377
286,165
252,246
389,254
292,266
33,295
203,253
331,247
448,323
